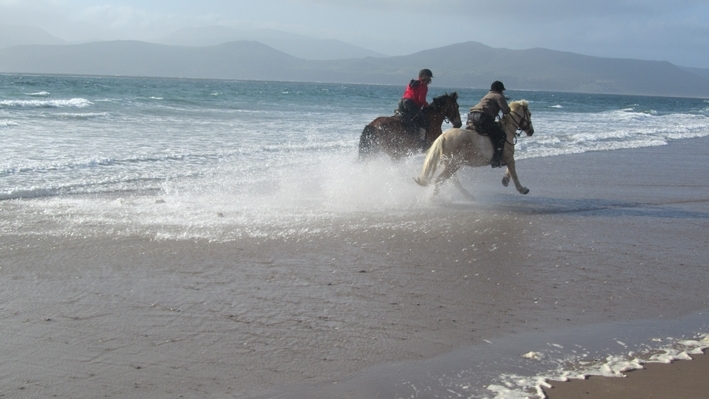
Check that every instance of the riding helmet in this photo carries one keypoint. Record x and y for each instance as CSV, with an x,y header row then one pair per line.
x,y
497,86
425,73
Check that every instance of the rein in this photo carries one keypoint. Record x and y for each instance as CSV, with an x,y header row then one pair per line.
x,y
518,131
437,108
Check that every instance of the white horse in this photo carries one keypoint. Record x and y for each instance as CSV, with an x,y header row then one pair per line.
x,y
463,147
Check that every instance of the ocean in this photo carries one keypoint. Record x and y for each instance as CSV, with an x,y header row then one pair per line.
x,y
182,159
257,153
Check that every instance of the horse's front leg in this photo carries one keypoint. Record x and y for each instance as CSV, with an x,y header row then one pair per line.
x,y
511,172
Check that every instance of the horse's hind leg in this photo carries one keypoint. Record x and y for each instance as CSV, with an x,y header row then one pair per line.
x,y
456,183
511,173
449,170
366,143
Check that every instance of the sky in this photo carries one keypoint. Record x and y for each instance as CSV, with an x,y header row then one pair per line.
x,y
662,30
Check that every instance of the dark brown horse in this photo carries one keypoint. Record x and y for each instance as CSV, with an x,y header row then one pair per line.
x,y
389,133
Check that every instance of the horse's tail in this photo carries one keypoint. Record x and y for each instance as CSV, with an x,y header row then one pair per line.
x,y
366,141
430,164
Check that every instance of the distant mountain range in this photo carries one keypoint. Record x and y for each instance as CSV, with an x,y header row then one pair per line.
x,y
300,46
463,65
296,45
703,72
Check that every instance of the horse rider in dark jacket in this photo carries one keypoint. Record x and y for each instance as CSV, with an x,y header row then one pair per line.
x,y
412,102
482,119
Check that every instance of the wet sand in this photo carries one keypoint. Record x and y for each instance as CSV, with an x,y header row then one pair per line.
x,y
602,237
685,379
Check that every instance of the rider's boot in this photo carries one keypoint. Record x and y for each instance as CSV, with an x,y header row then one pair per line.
x,y
496,161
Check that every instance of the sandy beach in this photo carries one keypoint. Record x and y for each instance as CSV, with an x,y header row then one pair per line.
x,y
602,237
681,379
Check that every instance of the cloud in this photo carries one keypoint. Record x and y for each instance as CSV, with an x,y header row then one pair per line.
x,y
529,10
673,30
73,21
552,17
125,20
116,17
30,12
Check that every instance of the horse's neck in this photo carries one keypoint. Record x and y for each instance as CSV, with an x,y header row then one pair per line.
x,y
508,125
435,118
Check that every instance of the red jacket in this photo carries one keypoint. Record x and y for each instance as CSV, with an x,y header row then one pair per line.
x,y
416,91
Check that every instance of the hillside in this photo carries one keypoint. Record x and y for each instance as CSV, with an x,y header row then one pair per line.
x,y
237,60
702,72
300,46
468,64
473,64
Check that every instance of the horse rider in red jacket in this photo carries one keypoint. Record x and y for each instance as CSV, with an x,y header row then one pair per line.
x,y
412,102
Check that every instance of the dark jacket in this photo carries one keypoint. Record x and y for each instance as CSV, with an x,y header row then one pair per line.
x,y
492,104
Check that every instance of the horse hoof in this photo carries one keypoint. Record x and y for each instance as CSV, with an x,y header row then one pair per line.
x,y
506,182
525,191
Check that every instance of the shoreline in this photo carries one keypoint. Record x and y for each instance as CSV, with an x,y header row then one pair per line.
x,y
681,378
592,244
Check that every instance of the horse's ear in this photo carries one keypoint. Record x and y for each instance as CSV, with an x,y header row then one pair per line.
x,y
454,95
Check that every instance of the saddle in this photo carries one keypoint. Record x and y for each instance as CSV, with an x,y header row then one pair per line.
x,y
476,122
410,126
483,125
476,130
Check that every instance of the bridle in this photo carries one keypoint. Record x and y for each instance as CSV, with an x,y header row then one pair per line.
x,y
447,118
442,108
526,119
456,113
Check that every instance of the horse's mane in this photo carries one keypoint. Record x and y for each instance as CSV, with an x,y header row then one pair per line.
x,y
519,103
438,101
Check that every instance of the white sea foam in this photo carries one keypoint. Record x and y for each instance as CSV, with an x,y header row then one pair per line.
x,y
73,103
255,178
497,370
558,134
82,115
567,367
234,202
7,123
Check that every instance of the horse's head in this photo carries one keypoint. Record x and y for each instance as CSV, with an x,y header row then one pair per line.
x,y
447,105
522,117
